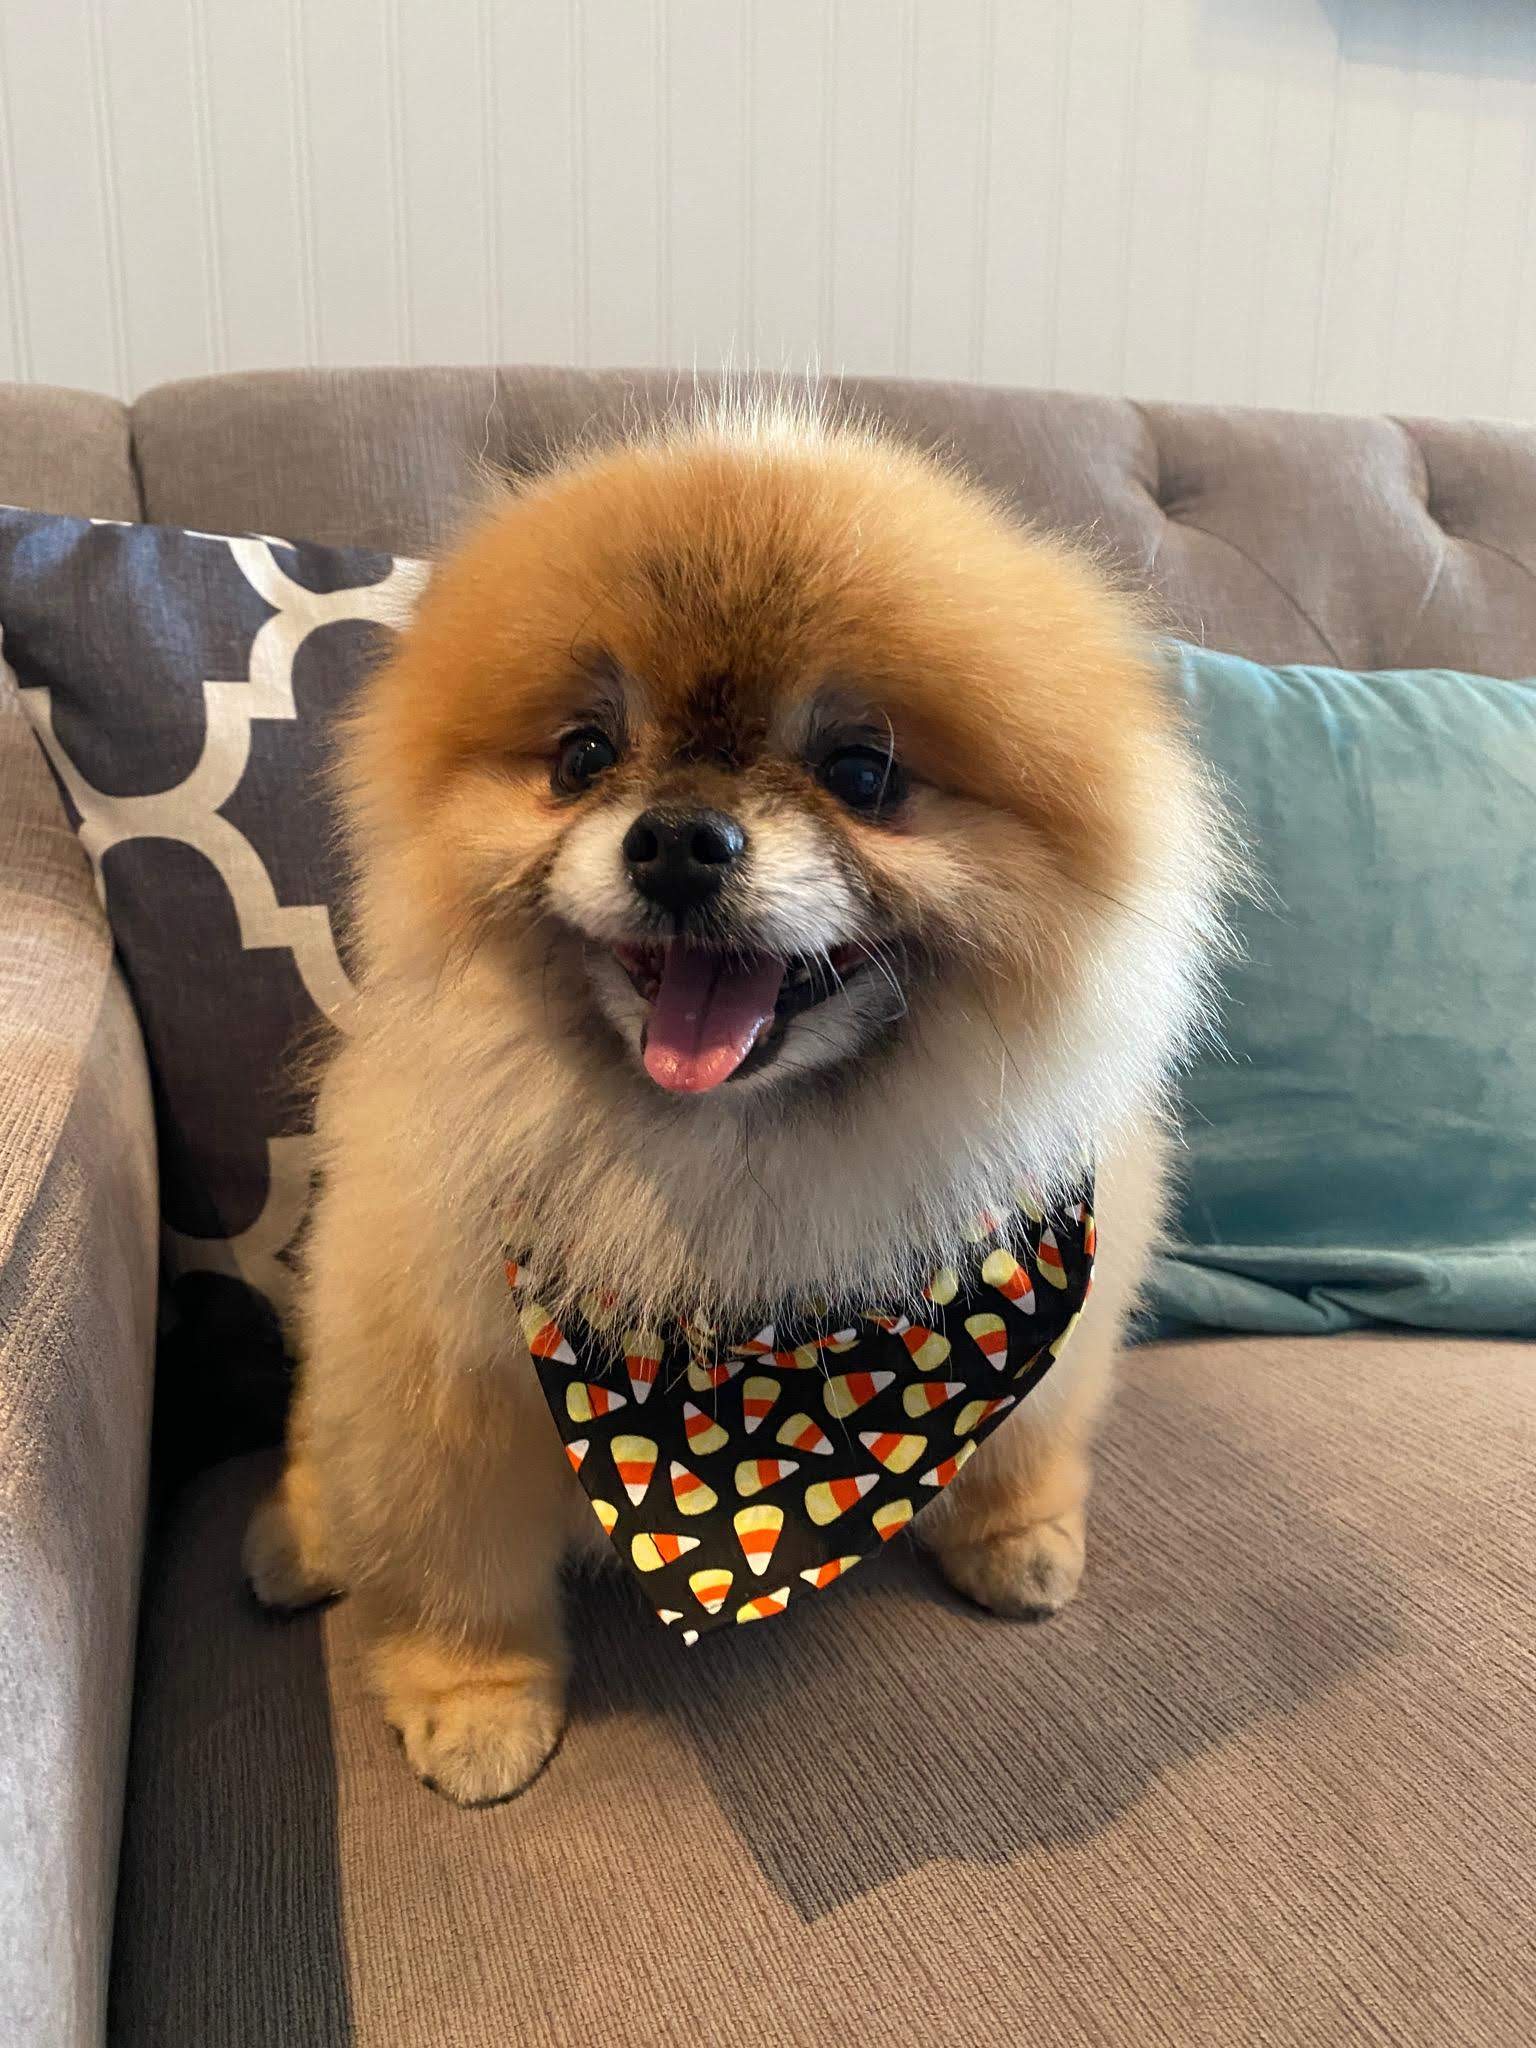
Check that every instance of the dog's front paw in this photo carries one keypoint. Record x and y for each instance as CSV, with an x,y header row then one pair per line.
x,y
1027,1573
482,1735
280,1566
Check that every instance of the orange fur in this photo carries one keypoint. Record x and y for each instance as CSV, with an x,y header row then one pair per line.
x,y
1033,918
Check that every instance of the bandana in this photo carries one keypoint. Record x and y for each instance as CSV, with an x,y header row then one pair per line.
x,y
730,1476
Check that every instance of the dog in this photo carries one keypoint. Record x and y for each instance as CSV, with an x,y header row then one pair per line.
x,y
769,855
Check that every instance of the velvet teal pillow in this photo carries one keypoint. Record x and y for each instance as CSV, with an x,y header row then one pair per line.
x,y
1364,1150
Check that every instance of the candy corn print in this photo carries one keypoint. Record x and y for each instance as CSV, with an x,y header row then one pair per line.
x,y
737,1473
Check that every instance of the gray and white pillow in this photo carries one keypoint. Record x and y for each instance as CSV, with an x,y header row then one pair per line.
x,y
184,687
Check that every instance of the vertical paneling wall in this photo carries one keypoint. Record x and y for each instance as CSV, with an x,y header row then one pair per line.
x,y
1291,202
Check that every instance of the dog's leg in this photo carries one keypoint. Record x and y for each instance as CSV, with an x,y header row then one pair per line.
x,y
476,1697
1010,1531
461,1596
286,1554
476,1724
454,1541
433,1487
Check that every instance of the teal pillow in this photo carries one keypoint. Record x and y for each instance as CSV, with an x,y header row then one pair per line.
x,y
1363,1149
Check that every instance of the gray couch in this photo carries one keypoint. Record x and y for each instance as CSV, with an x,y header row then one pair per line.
x,y
1270,1781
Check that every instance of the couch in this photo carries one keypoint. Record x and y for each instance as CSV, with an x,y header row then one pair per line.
x,y
1269,1781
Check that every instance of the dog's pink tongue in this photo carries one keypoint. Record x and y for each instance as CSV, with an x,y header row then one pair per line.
x,y
706,1016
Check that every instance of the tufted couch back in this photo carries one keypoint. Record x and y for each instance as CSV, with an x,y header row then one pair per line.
x,y
1369,543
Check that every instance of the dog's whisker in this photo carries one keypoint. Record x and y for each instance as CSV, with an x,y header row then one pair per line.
x,y
876,958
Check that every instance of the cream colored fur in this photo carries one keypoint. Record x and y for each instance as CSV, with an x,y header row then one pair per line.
x,y
491,1096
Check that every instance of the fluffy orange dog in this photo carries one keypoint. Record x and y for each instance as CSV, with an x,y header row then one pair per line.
x,y
768,855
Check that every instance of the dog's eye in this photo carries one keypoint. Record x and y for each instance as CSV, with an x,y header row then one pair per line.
x,y
583,756
863,778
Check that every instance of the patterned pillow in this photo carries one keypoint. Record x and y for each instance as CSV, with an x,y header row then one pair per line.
x,y
183,686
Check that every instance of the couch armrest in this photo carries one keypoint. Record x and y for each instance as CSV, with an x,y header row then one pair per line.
x,y
78,1252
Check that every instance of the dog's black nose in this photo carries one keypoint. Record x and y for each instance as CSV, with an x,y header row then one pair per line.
x,y
678,859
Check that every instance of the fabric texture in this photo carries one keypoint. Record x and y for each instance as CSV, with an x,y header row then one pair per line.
x,y
1364,543
77,1307
66,451
1268,1779
1365,1148
659,1426
55,959
184,688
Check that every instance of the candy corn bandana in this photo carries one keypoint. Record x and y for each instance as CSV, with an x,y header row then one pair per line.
x,y
736,1475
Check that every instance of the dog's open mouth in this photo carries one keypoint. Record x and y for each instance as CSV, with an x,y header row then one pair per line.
x,y
711,1008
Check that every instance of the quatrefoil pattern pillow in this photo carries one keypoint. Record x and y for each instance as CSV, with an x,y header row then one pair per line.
x,y
184,687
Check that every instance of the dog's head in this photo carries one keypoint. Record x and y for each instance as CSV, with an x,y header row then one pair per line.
x,y
766,755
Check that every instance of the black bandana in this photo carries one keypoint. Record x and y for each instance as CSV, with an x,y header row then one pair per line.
x,y
728,1475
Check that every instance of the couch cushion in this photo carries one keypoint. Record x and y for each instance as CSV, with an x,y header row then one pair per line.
x,y
185,689
1365,543
55,960
66,451
1359,1146
77,1314
1269,1780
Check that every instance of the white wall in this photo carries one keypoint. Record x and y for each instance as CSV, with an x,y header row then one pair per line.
x,y
1293,202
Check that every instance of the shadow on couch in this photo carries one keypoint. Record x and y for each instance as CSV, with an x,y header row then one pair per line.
x,y
882,1728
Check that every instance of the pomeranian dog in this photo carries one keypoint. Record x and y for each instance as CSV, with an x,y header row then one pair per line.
x,y
768,855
